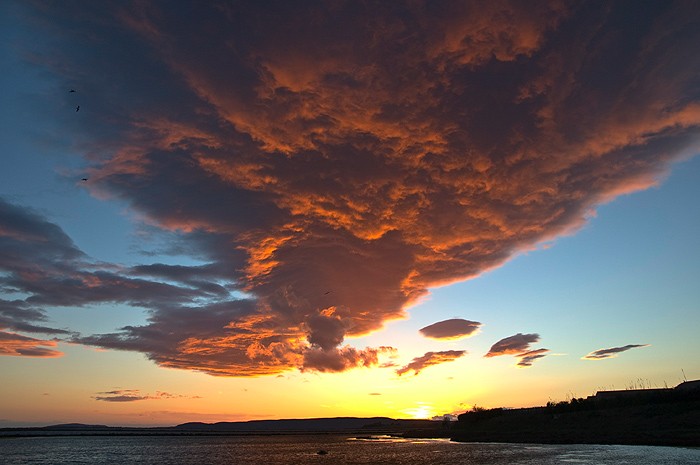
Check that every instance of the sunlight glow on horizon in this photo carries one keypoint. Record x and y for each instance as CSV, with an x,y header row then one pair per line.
x,y
305,211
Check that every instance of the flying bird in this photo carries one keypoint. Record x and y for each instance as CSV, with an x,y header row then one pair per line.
x,y
327,292
84,179
72,90
77,109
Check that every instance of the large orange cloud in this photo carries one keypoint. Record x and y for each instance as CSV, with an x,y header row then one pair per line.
x,y
336,160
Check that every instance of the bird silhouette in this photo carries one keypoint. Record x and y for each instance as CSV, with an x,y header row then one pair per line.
x,y
77,109
84,179
72,90
327,292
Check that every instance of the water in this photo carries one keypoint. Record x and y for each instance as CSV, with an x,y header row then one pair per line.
x,y
220,450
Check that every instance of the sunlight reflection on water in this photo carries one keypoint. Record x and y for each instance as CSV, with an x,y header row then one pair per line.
x,y
303,449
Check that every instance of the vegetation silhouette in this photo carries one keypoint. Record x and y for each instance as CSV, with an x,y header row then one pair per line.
x,y
666,416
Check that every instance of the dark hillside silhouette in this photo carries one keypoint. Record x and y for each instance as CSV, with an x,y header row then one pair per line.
x,y
669,416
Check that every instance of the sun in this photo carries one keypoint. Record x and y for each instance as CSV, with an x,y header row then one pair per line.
x,y
422,411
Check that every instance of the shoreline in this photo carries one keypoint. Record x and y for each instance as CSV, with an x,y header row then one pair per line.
x,y
684,439
668,421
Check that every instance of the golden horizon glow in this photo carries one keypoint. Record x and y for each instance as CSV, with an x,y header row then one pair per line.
x,y
398,209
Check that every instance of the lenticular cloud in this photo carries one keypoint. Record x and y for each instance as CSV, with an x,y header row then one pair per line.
x,y
601,354
455,328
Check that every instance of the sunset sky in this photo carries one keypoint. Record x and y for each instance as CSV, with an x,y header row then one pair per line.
x,y
223,211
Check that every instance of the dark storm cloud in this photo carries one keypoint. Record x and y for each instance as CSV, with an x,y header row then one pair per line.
x,y
341,358
611,352
418,364
347,156
20,316
37,258
454,328
325,331
190,319
199,277
30,248
182,336
40,262
23,231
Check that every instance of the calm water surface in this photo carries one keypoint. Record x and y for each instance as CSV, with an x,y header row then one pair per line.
x,y
196,450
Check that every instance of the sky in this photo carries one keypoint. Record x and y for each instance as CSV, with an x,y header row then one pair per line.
x,y
254,210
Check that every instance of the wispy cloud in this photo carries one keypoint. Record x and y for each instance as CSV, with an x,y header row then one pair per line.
x,y
334,162
19,345
121,395
135,395
455,328
418,364
601,354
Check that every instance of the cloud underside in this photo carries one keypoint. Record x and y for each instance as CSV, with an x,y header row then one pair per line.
x,y
334,161
455,328
601,354
418,364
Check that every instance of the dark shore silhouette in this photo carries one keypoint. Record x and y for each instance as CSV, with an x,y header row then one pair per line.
x,y
668,417
341,425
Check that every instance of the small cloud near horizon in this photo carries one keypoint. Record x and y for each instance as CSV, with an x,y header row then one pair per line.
x,y
612,352
455,328
134,395
429,359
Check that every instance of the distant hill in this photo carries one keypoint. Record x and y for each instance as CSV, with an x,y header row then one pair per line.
x,y
305,425
350,425
74,426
